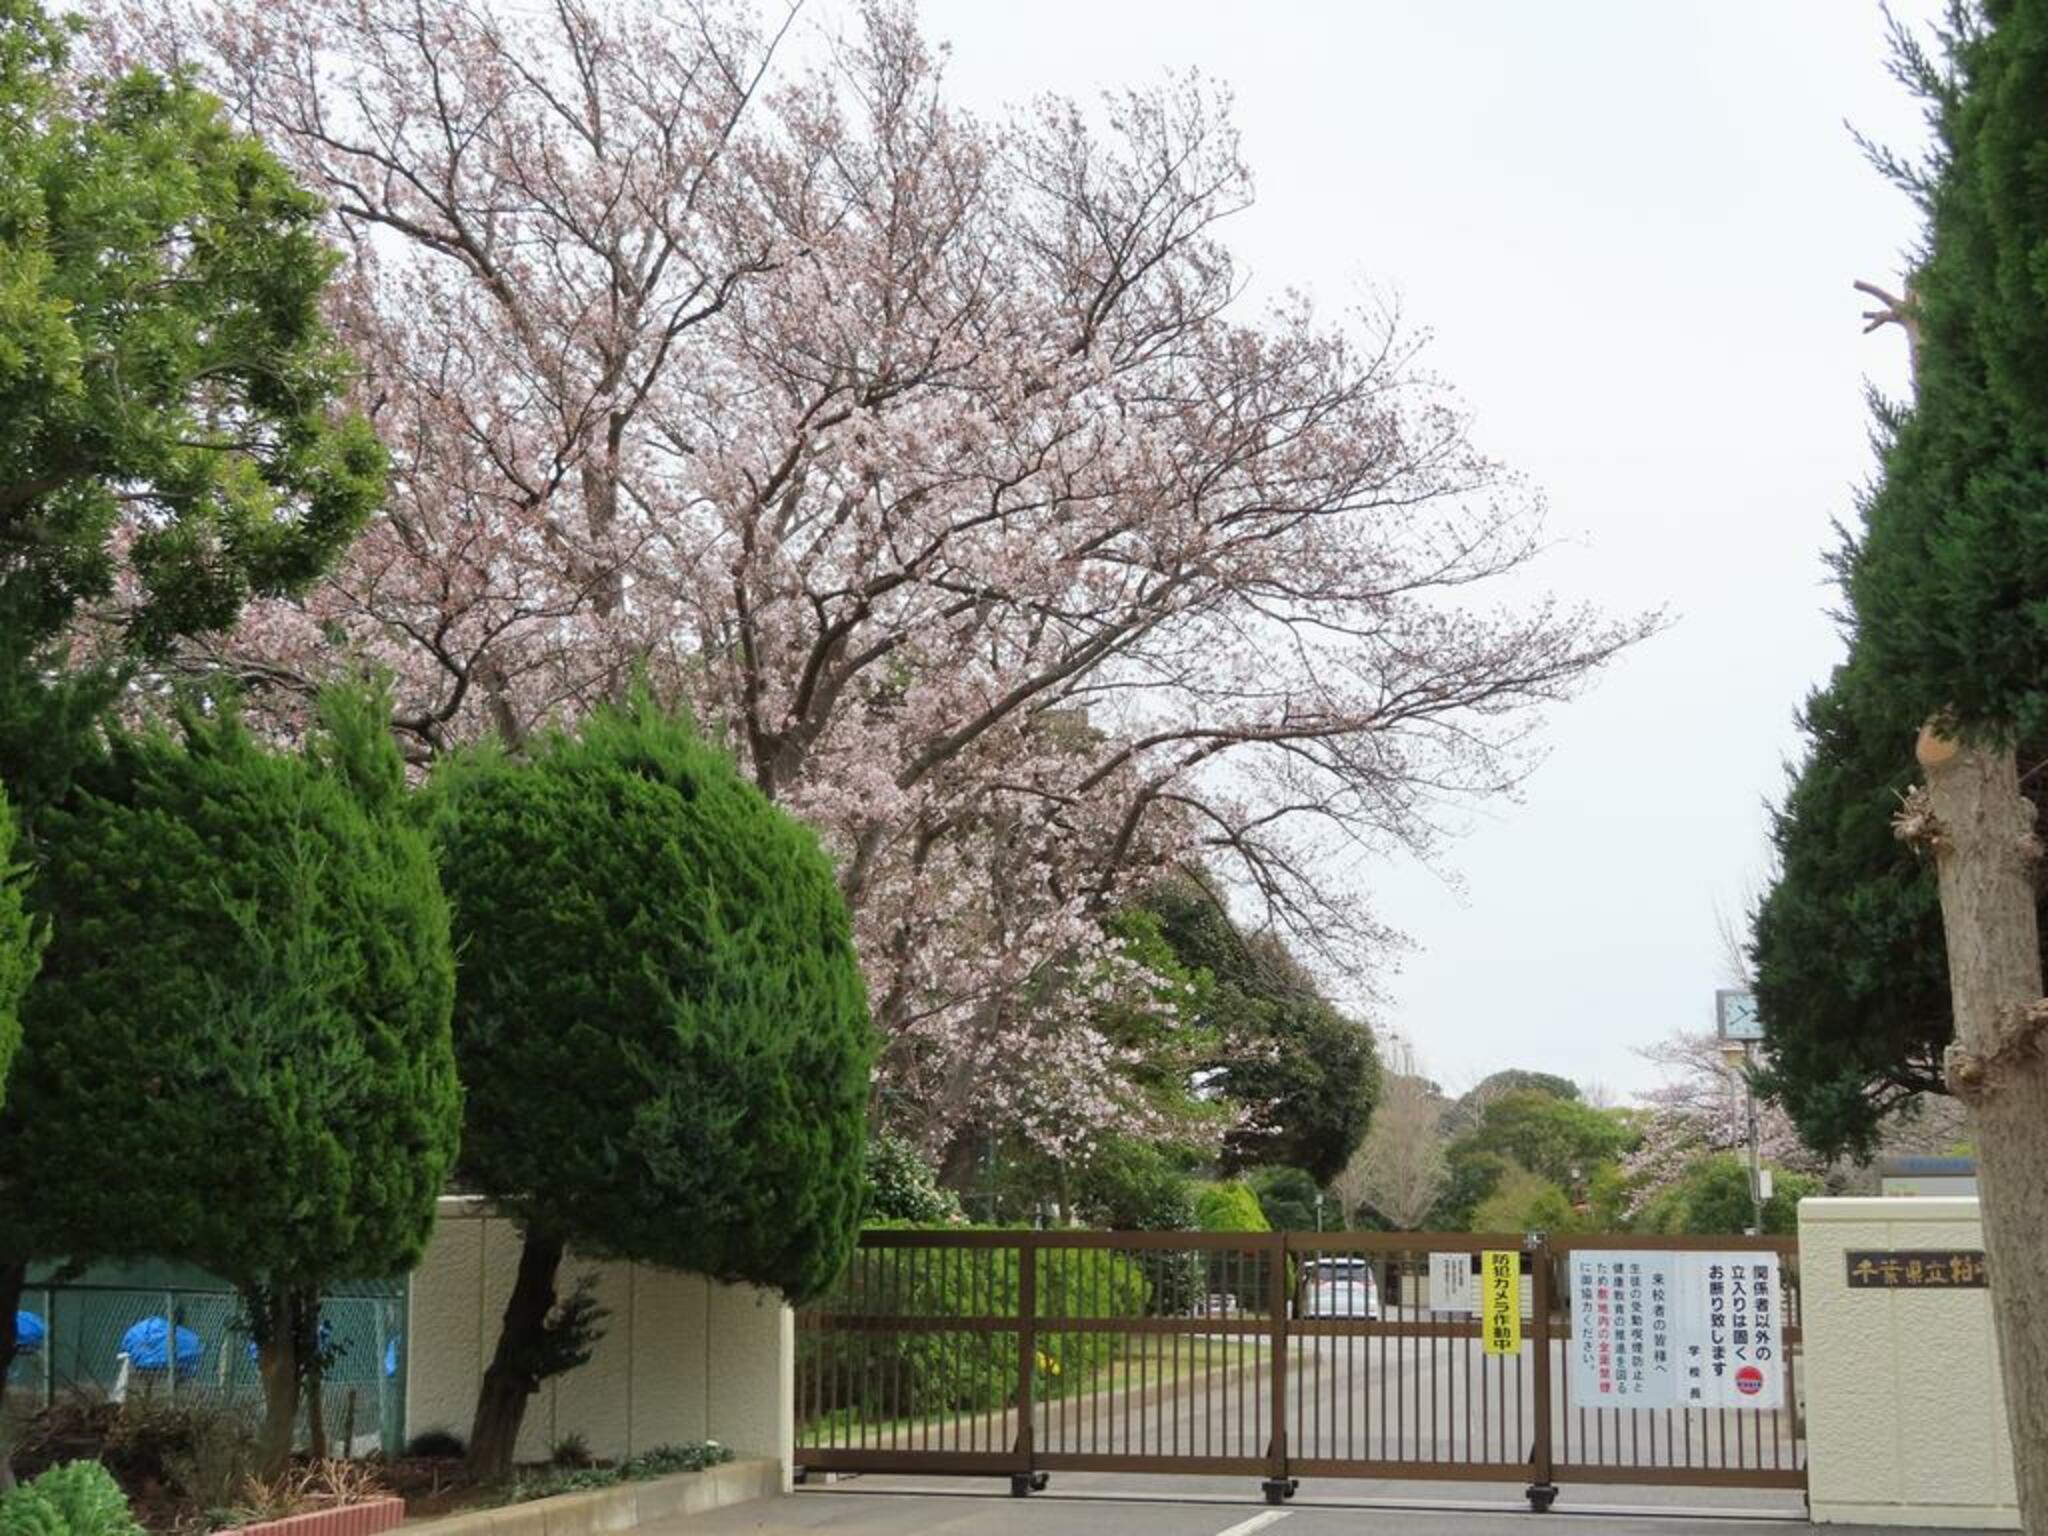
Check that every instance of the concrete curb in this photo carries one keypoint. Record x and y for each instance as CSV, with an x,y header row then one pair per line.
x,y
603,1510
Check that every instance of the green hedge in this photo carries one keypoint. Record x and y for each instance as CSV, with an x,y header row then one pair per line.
x,y
872,1377
1246,1274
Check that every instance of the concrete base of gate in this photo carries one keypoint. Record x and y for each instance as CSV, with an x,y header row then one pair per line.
x,y
1607,1500
868,1508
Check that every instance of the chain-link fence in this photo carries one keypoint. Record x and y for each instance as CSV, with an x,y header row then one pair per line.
x,y
124,1341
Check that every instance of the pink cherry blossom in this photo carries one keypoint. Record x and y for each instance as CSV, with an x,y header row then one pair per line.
x,y
938,463
1699,1109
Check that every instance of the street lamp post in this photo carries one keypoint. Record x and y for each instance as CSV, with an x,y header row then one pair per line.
x,y
1739,1025
1737,1054
1756,1152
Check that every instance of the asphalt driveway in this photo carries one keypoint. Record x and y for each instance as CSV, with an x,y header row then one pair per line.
x,y
904,1507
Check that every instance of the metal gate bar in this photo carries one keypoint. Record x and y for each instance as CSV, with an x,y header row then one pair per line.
x,y
1715,1447
1023,1353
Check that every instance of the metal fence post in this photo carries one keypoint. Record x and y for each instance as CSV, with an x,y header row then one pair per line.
x,y
1542,1492
49,1348
1025,1479
170,1344
1278,1486
400,1378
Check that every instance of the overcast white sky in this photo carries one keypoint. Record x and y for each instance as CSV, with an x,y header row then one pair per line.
x,y
1632,228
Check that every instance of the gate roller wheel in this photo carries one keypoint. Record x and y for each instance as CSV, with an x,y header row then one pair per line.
x,y
1541,1497
1024,1484
1280,1489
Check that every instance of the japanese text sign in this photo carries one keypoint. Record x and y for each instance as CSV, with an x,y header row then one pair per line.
x,y
1945,1269
1450,1282
1500,1313
1659,1329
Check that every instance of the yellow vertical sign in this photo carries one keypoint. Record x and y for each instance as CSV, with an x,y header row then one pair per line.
x,y
1500,1305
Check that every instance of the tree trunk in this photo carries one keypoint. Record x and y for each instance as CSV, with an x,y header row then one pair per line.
x,y
511,1378
312,1373
1987,856
13,1278
316,1414
963,1153
277,1362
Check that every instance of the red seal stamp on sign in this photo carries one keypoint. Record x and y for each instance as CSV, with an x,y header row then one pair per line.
x,y
1749,1381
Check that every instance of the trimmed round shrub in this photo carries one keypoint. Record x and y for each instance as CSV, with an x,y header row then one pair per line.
x,y
1229,1207
237,1051
902,1186
661,1024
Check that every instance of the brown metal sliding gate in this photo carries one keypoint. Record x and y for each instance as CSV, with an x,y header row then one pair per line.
x,y
1263,1354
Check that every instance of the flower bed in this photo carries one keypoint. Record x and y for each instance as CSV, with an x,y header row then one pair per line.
x,y
184,1469
617,1507
659,1461
188,1466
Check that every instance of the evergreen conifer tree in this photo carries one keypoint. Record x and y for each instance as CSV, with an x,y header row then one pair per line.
x,y
661,1024
237,1052
1949,596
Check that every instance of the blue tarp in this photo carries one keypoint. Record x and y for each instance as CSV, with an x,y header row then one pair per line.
x,y
326,1339
29,1333
327,1336
144,1345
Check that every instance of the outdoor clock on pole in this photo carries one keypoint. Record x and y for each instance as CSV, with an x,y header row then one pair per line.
x,y
1735,1016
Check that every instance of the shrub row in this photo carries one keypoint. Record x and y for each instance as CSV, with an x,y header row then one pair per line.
x,y
659,1461
885,1374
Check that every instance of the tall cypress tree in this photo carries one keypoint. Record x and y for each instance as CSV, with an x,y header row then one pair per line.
x,y
237,1053
661,1025
1949,590
171,427
1851,976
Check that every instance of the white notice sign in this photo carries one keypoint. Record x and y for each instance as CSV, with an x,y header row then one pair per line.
x,y
1654,1329
1450,1282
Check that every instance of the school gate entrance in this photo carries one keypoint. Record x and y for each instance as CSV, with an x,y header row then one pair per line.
x,y
1534,1362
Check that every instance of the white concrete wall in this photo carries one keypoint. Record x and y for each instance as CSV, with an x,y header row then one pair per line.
x,y
1905,1416
682,1358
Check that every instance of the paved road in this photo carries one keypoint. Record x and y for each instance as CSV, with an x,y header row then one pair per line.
x,y
847,1512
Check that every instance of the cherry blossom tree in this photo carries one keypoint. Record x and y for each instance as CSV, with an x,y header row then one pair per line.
x,y
940,463
1698,1110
